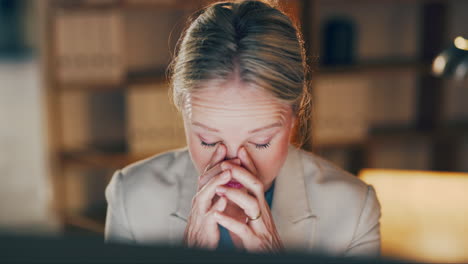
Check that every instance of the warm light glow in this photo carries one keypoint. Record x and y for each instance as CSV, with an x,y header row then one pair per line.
x,y
424,214
461,43
438,66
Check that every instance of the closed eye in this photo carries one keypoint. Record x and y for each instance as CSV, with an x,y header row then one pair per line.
x,y
262,146
207,145
258,146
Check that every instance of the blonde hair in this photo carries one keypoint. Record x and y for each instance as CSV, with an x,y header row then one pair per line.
x,y
254,40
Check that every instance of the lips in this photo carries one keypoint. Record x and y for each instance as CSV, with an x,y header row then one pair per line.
x,y
234,184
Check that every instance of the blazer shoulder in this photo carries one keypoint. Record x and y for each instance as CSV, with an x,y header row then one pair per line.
x,y
350,206
142,195
326,180
163,168
324,172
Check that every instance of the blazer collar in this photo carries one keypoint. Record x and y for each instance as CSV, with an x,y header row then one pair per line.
x,y
290,200
187,189
291,210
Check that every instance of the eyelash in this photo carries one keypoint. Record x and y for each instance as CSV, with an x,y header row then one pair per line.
x,y
258,146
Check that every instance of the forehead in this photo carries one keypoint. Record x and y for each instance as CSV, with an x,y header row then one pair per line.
x,y
232,104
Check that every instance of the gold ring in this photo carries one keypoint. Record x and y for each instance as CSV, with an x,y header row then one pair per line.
x,y
255,218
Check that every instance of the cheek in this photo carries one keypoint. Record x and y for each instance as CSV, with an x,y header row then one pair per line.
x,y
269,161
200,156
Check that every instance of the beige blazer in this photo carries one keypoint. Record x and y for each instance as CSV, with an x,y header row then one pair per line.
x,y
317,207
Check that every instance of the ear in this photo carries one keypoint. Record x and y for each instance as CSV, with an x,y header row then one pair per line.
x,y
293,122
292,128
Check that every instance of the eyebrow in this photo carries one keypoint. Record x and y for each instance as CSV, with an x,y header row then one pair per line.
x,y
277,124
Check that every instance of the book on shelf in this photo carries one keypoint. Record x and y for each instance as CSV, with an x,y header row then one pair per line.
x,y
392,100
91,3
383,28
462,161
89,46
85,190
150,38
91,121
154,124
340,110
455,108
339,157
161,2
75,119
407,154
346,108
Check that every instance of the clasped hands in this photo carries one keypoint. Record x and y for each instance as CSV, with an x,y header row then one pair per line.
x,y
215,203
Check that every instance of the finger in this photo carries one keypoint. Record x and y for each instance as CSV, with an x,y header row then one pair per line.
x,y
211,223
205,195
219,206
245,201
236,161
208,175
248,203
218,156
247,161
247,179
204,178
240,229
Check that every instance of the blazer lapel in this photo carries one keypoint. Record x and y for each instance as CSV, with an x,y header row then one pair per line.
x,y
291,211
187,188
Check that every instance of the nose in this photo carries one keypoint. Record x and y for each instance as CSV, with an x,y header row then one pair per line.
x,y
231,155
231,152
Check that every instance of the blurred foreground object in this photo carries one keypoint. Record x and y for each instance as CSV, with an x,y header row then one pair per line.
x,y
453,62
424,214
89,249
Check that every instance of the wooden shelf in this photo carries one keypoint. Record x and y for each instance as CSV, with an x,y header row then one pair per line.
x,y
446,131
167,4
388,67
105,160
182,5
99,160
325,2
80,222
381,134
341,145
135,80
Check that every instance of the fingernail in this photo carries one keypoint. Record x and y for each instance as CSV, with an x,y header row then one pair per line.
x,y
225,166
237,161
220,189
226,175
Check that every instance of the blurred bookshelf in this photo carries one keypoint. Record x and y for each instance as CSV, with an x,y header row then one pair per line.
x,y
382,67
103,59
394,45
108,106
130,4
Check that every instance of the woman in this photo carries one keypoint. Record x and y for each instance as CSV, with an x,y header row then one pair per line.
x,y
239,80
